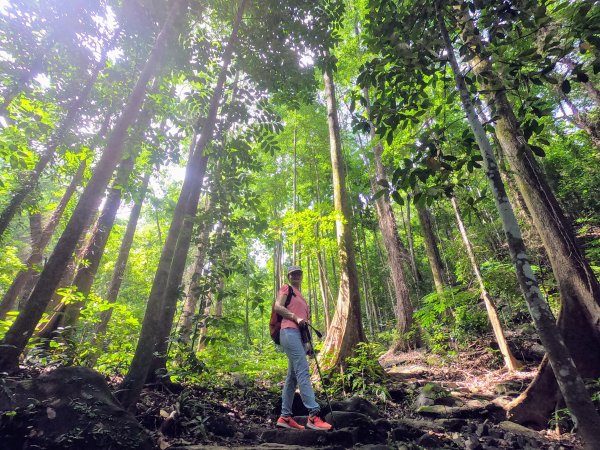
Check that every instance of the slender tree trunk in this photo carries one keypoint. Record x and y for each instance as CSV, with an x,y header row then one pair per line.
x,y
490,306
85,275
121,263
37,252
346,327
571,385
163,296
579,289
295,197
277,266
31,179
431,248
191,300
324,286
411,246
396,252
18,335
56,307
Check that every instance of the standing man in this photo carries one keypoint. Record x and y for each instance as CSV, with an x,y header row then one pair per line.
x,y
295,316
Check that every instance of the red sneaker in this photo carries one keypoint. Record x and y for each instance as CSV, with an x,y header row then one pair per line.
x,y
316,423
288,422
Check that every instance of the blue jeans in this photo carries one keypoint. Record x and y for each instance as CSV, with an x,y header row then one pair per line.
x,y
298,374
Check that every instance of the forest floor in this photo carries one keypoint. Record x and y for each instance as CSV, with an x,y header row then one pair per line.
x,y
433,402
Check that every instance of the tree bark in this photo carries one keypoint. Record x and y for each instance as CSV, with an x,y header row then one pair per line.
x,y
191,299
163,295
411,246
397,254
85,275
324,287
431,248
571,385
18,335
577,284
346,326
121,263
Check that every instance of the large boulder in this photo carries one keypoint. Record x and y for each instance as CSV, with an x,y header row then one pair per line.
x,y
354,404
68,408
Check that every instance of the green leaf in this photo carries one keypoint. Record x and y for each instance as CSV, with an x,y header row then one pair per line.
x,y
397,198
565,86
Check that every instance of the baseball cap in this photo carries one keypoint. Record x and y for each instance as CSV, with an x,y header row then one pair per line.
x,y
294,269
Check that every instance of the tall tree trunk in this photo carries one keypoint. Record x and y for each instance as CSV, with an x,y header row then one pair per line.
x,y
346,327
191,299
579,319
163,295
490,306
295,197
411,246
31,179
56,306
571,385
86,273
396,252
18,335
121,263
431,248
37,252
324,286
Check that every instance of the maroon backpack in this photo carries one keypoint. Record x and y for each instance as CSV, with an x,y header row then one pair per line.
x,y
275,322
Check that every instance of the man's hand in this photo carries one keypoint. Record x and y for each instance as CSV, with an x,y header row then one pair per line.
x,y
301,323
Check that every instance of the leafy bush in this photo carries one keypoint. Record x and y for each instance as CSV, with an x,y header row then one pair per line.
x,y
362,374
455,317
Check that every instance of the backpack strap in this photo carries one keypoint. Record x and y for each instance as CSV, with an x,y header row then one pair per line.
x,y
289,296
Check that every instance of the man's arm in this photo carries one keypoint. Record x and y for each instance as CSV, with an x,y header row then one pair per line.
x,y
283,311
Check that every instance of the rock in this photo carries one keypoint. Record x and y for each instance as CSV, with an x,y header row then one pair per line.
x,y
407,371
519,430
482,429
309,438
461,412
430,441
345,419
432,394
265,446
354,404
472,443
68,408
405,432
509,387
373,447
221,425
